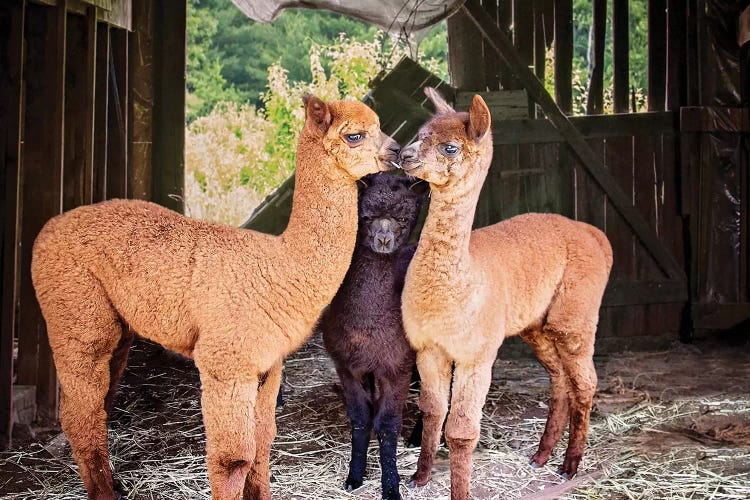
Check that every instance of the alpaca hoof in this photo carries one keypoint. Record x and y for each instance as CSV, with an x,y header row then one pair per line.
x,y
564,475
352,484
415,481
534,465
411,484
413,443
392,495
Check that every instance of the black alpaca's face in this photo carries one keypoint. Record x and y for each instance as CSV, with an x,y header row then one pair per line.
x,y
388,210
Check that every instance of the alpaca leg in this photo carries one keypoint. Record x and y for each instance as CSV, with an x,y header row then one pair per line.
x,y
229,417
470,386
387,425
359,411
435,371
557,418
84,422
257,486
415,438
117,366
578,362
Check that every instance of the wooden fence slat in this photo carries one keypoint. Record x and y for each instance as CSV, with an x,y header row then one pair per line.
x,y
620,55
43,163
11,88
101,110
676,64
141,110
564,55
504,47
118,123
595,99
91,38
464,39
657,54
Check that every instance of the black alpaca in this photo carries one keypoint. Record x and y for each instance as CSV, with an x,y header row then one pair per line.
x,y
363,331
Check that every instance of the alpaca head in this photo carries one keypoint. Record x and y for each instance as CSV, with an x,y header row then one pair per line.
x,y
454,148
388,210
350,134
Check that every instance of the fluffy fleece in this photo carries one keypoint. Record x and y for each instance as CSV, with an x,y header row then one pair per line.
x,y
540,276
363,330
235,301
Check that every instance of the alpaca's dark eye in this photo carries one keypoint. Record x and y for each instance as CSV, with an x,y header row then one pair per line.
x,y
354,138
401,219
448,150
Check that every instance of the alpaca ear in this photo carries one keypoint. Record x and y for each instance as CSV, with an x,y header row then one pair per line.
x,y
419,186
479,119
441,105
317,112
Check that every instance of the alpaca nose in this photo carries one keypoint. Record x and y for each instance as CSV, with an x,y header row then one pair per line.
x,y
384,241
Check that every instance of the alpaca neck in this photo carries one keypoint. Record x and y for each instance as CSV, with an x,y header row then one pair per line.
x,y
447,229
322,228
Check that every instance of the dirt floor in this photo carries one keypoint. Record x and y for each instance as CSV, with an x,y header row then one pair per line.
x,y
668,424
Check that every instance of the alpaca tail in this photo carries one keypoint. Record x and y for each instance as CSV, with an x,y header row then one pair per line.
x,y
604,244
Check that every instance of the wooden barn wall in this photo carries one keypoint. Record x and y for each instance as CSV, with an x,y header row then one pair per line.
x,y
69,69
535,170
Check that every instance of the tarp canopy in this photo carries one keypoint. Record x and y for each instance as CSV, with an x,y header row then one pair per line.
x,y
407,19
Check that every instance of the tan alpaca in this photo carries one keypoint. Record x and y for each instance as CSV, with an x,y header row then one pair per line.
x,y
540,276
235,301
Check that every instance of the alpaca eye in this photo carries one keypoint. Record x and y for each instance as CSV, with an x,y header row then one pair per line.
x,y
448,150
354,138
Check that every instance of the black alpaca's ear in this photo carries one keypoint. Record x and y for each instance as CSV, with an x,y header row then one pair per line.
x,y
419,186
479,119
441,105
317,113
365,181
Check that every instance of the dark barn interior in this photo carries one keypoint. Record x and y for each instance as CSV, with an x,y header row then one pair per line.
x,y
92,107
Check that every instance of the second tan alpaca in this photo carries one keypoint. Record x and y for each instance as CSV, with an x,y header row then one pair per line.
x,y
540,276
235,301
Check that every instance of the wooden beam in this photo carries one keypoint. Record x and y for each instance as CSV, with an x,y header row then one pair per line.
x,y
564,55
42,185
101,113
594,165
169,103
595,101
11,91
91,39
620,55
657,54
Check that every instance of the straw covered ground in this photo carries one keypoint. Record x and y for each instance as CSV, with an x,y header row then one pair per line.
x,y
669,424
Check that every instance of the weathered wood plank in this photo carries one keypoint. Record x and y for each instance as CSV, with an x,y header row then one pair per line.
x,y
619,161
620,55
463,39
79,110
564,55
657,54
118,105
620,201
628,292
42,164
647,180
595,101
503,104
101,113
141,109
169,104
11,87
714,119
523,32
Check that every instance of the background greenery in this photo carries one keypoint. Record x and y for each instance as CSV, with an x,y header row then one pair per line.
x,y
245,81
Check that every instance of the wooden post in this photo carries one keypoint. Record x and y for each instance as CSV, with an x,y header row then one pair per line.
x,y
42,186
141,110
657,54
11,89
169,103
463,39
101,114
595,101
564,54
620,62
118,123
676,55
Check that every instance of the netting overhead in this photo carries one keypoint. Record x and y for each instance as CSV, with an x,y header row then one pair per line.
x,y
408,19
